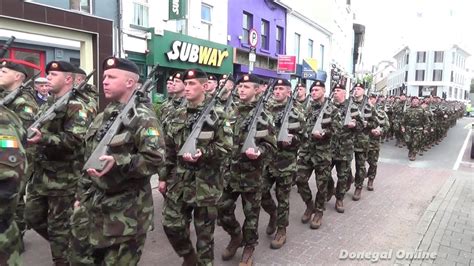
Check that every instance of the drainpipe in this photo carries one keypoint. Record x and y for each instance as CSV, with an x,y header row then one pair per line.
x,y
119,28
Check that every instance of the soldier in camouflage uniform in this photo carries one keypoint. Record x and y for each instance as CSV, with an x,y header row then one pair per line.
x,y
197,187
315,154
282,166
361,139
229,98
114,207
90,91
375,138
176,99
211,85
13,166
50,191
413,126
342,144
398,112
246,173
12,76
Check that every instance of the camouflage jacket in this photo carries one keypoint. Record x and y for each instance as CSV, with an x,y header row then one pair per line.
x,y
200,182
331,125
245,174
120,203
13,164
228,104
384,125
168,108
59,153
342,144
24,105
361,138
415,118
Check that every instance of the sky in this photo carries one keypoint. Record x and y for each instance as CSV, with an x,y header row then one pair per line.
x,y
435,24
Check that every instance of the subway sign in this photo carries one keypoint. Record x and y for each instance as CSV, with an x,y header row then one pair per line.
x,y
180,51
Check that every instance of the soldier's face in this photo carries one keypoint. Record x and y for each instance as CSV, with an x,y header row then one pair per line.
x,y
415,102
79,79
194,89
247,91
317,93
372,101
178,86
280,93
118,84
339,95
403,98
211,85
170,86
301,92
7,77
358,92
58,80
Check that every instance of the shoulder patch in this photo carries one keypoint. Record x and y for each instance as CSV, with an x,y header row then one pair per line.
x,y
9,142
27,109
82,114
151,131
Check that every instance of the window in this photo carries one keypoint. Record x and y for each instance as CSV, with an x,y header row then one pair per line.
x,y
140,13
452,76
279,38
420,75
206,15
86,6
439,56
297,47
421,57
246,26
321,50
264,34
450,92
310,48
453,58
437,74
407,59
406,76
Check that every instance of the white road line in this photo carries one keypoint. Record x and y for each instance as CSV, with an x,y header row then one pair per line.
x,y
461,152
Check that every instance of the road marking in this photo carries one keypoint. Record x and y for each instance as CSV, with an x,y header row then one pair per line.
x,y
461,152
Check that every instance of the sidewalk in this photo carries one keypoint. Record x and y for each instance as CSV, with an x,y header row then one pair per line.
x,y
446,229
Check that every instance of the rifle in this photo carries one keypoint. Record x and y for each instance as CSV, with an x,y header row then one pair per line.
x,y
206,116
348,117
256,119
319,121
7,45
405,106
13,94
283,134
51,112
229,99
127,117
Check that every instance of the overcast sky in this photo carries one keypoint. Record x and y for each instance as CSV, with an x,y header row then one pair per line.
x,y
392,24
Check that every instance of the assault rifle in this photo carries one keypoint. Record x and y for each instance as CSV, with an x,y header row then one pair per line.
x,y
207,116
348,117
14,93
127,117
60,104
256,119
404,109
318,127
5,47
283,134
229,99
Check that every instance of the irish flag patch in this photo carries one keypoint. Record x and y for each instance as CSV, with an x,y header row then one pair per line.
x,y
82,114
8,142
28,109
151,131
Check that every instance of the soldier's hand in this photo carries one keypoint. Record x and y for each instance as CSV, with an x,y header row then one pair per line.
x,y
365,123
77,204
110,161
318,135
162,187
288,142
402,129
375,132
188,157
351,124
36,138
251,154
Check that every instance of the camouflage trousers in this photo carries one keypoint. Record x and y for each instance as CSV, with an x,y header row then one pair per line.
x,y
360,169
343,171
49,216
20,209
10,244
283,182
251,205
413,138
372,160
176,219
322,169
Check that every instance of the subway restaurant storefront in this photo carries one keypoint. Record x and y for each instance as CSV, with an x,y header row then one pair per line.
x,y
177,52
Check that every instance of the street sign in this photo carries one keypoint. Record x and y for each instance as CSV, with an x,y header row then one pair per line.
x,y
253,38
286,64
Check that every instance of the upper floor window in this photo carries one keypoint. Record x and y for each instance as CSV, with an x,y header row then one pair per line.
x,y
246,26
206,13
86,6
297,47
421,57
437,75
310,48
439,56
140,13
279,39
420,75
321,50
264,31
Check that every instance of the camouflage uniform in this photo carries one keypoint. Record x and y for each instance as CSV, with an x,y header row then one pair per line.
x,y
282,166
246,176
315,154
374,143
397,121
197,187
117,209
13,165
51,189
414,122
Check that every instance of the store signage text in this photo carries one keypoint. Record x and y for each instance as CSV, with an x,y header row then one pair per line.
x,y
193,53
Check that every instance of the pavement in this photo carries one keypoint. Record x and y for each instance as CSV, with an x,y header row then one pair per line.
x,y
422,209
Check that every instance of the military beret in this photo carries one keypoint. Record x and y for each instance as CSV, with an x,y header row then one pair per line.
x,y
178,75
249,78
120,63
14,66
41,80
339,86
282,82
211,77
318,83
225,77
60,66
195,73
360,85
170,78
301,84
413,98
80,71
373,95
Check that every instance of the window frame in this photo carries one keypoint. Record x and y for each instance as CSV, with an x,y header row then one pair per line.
x,y
246,31
421,57
264,34
310,48
279,40
418,73
439,55
90,6
145,5
297,48
210,13
437,74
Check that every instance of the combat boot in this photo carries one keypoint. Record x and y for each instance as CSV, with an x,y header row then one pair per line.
x,y
234,244
370,185
247,256
190,259
357,192
317,218
271,227
330,193
339,206
412,156
308,212
280,238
